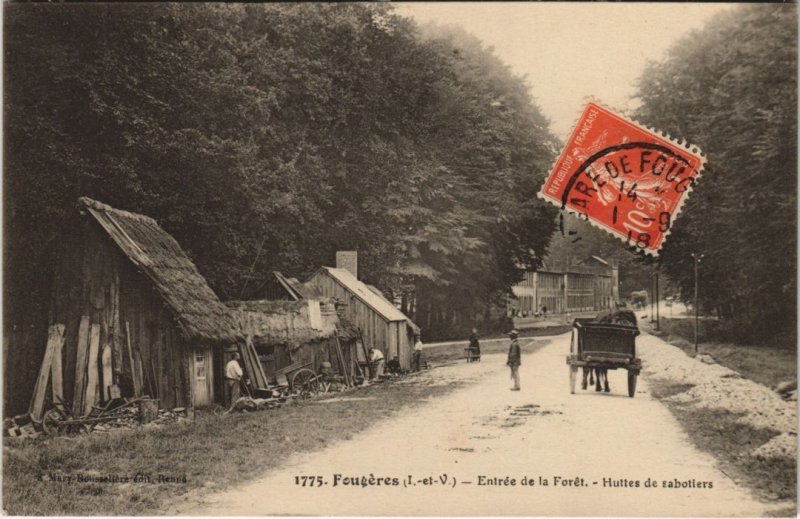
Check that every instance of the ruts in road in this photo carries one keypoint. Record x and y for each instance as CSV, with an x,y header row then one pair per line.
x,y
484,450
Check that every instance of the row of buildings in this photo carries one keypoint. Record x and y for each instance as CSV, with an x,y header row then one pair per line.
x,y
592,284
126,285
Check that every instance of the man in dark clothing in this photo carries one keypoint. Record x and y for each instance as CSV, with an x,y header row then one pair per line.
x,y
514,358
474,346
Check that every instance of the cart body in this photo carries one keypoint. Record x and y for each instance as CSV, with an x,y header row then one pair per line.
x,y
605,346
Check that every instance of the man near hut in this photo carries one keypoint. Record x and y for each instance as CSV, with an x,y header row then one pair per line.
x,y
417,352
233,378
514,358
376,362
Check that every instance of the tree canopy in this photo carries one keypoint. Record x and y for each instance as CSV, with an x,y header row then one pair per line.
x,y
731,89
266,137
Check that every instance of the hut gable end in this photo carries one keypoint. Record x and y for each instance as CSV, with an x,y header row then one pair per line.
x,y
197,309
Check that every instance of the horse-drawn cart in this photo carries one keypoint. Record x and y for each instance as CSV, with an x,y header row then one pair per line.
x,y
603,346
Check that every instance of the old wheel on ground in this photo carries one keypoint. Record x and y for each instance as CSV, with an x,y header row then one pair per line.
x,y
632,375
573,374
53,422
305,383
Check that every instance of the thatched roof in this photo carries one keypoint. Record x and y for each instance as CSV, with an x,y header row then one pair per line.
x,y
288,322
197,309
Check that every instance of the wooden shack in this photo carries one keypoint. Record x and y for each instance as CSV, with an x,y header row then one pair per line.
x,y
126,288
381,323
290,332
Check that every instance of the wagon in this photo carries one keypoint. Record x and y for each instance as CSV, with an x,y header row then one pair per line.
x,y
601,345
300,378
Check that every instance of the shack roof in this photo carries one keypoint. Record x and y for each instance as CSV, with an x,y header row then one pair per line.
x,y
378,303
295,288
197,309
288,322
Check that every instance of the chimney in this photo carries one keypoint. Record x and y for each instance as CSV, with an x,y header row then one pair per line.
x,y
348,260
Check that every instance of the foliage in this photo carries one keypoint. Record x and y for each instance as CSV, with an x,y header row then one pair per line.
x,y
732,90
266,137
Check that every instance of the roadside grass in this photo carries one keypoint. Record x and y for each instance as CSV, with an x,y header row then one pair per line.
x,y
718,432
767,364
213,451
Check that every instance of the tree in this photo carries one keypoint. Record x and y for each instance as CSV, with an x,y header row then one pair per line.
x,y
731,89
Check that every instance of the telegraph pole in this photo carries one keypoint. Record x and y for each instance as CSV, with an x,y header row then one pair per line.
x,y
658,304
697,257
652,299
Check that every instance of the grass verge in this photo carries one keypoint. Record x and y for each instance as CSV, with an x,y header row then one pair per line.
x,y
718,432
212,452
766,364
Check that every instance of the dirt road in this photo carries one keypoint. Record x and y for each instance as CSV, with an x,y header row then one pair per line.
x,y
591,448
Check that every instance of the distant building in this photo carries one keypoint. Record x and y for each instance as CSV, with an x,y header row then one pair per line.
x,y
590,285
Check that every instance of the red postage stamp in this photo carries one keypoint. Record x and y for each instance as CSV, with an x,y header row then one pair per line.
x,y
623,177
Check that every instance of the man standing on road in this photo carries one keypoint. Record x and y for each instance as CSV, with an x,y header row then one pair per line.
x,y
233,377
417,353
514,358
376,362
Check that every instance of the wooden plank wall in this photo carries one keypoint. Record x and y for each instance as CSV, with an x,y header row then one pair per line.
x,y
167,362
391,338
96,280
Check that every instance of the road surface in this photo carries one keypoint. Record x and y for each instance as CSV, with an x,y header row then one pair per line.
x,y
591,448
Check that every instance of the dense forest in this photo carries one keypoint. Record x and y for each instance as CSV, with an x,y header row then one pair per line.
x,y
266,137
732,89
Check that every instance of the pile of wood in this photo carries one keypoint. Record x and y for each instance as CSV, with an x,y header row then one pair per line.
x,y
19,427
94,377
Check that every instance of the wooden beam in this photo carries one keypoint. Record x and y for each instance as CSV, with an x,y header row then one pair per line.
x,y
345,371
80,366
136,370
92,375
108,377
55,334
56,370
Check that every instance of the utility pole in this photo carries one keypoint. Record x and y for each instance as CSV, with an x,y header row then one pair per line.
x,y
697,257
652,299
658,304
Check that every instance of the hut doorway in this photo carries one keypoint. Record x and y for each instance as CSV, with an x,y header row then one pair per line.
x,y
203,378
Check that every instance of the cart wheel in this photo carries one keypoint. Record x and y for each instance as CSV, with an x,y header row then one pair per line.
x,y
573,374
632,383
53,422
305,383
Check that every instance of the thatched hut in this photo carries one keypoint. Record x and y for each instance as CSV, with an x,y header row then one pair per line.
x,y
288,332
126,281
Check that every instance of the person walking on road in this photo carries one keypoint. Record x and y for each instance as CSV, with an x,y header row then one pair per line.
x,y
514,358
233,377
474,346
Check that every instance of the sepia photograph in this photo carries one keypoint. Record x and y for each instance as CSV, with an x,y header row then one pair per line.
x,y
439,259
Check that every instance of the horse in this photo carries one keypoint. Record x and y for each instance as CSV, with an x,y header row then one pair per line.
x,y
598,374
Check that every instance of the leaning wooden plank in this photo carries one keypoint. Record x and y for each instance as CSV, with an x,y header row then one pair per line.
x,y
56,371
92,375
260,379
345,371
80,366
136,374
55,334
108,378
